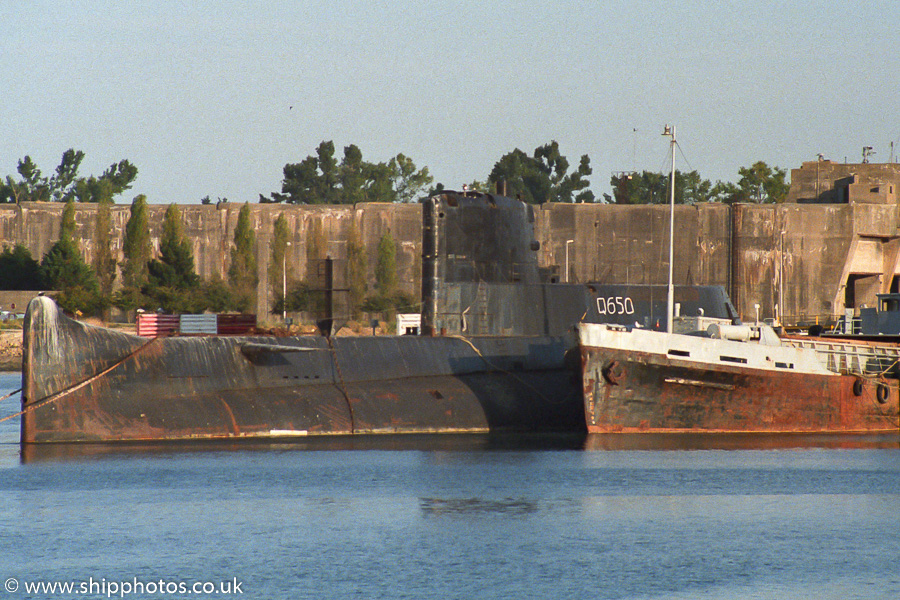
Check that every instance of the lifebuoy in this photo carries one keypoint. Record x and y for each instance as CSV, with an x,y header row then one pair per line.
x,y
881,393
858,387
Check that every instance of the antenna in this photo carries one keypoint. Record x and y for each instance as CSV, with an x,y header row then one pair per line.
x,y
670,315
867,151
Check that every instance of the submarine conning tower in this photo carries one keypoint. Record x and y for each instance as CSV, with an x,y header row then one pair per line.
x,y
473,238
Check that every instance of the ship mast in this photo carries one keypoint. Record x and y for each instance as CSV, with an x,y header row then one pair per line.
x,y
670,304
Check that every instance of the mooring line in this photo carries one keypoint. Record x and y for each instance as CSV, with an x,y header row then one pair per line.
x,y
77,386
10,394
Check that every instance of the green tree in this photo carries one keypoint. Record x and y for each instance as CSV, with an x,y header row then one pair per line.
x,y
242,273
758,183
67,223
320,179
19,271
136,246
762,184
653,188
137,252
543,177
356,268
32,187
64,269
104,262
62,183
175,266
409,183
352,176
386,266
280,266
65,184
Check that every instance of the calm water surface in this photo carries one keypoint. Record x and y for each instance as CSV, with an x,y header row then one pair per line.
x,y
458,517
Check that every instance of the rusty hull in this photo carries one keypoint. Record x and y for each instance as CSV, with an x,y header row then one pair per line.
x,y
629,392
84,383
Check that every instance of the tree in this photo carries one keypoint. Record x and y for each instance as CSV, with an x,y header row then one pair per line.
x,y
543,177
653,188
388,299
320,179
352,176
242,273
280,267
761,184
172,283
175,266
758,183
386,266
67,223
19,271
65,184
356,268
315,252
136,246
64,269
409,183
104,262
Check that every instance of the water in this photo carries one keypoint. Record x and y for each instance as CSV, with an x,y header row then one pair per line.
x,y
457,517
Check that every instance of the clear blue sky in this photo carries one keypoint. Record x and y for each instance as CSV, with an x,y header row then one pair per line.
x,y
198,95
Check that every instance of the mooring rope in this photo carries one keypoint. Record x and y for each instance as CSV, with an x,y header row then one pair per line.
x,y
13,393
77,386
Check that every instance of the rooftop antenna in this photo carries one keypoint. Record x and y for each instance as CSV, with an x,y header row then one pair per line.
x,y
670,301
866,153
634,148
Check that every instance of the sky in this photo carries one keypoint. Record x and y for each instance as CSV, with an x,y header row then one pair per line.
x,y
214,98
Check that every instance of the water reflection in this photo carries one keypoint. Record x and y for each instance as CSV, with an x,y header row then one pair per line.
x,y
433,507
31,453
740,441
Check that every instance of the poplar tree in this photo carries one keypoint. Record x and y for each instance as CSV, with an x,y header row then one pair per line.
x,y
242,273
67,224
356,268
104,263
280,267
310,296
136,246
386,266
315,246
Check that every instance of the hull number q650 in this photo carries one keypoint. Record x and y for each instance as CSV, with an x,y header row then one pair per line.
x,y
615,305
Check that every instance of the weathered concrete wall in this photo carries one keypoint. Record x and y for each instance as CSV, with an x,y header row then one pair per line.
x,y
211,231
630,244
807,254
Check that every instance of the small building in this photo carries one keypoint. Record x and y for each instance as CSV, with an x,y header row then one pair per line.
x,y
409,323
827,182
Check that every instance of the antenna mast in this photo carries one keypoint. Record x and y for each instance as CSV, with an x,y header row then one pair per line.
x,y
670,308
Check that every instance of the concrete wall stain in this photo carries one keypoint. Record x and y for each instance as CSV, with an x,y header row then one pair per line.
x,y
806,253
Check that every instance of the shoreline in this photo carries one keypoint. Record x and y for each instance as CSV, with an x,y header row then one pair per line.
x,y
11,350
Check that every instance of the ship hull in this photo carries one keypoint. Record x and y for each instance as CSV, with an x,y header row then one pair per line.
x,y
637,381
83,383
